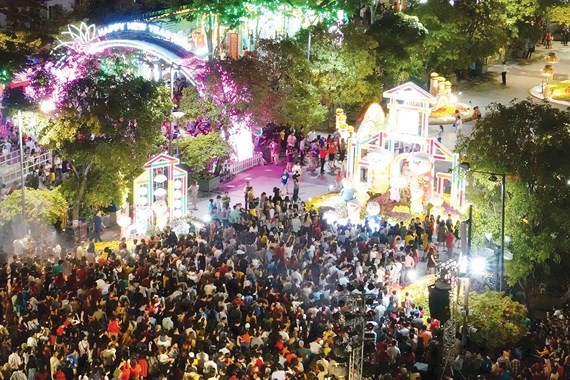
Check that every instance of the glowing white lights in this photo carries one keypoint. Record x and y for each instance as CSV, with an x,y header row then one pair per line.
x,y
160,178
154,30
79,36
160,192
478,265
47,106
412,275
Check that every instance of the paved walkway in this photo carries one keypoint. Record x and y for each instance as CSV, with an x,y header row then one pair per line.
x,y
264,178
522,76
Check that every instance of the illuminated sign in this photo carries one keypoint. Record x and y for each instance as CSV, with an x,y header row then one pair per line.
x,y
152,29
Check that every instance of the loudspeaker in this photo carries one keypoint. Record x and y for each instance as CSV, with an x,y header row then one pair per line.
x,y
439,304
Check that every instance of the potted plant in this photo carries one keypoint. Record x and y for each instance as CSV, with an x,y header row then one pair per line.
x,y
203,155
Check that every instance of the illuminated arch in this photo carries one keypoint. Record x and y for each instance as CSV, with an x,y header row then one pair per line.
x,y
161,52
172,48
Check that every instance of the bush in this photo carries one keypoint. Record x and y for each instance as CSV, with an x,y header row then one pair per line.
x,y
200,151
498,319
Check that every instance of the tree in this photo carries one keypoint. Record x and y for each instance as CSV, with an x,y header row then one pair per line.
x,y
560,14
106,126
42,206
27,29
484,24
400,45
526,141
280,83
226,13
443,48
198,152
343,64
499,320
216,96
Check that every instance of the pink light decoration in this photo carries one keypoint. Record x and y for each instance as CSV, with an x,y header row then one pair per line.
x,y
50,80
240,139
48,106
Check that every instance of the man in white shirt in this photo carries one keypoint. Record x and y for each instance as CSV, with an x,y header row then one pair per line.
x,y
296,224
14,360
393,351
278,374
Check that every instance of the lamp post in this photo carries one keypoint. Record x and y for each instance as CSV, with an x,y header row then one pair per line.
x,y
494,178
20,125
177,115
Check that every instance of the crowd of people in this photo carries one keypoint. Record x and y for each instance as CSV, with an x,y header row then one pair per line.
x,y
265,289
264,297
44,169
543,354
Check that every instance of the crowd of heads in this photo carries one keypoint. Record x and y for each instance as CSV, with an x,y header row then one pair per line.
x,y
263,295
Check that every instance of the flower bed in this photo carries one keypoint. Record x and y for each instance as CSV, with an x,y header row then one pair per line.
x,y
418,290
444,115
561,90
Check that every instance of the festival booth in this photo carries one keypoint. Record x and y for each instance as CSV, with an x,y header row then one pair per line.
x,y
395,158
160,193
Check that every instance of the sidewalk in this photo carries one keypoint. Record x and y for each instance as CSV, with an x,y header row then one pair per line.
x,y
264,178
482,91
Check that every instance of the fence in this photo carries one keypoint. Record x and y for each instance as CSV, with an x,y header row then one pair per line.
x,y
238,167
10,166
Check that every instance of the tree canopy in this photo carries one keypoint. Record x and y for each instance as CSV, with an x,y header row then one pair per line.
x,y
197,152
400,49
499,320
343,66
106,127
525,141
42,206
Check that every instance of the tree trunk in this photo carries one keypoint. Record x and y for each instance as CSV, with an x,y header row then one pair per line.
x,y
209,38
531,291
78,199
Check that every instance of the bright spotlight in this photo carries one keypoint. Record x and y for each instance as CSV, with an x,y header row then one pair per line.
x,y
478,265
412,275
331,187
207,219
330,217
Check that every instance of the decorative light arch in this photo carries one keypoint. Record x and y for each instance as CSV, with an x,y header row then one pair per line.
x,y
161,52
173,48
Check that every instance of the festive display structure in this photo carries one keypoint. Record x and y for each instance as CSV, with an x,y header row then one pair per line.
x,y
160,193
396,156
446,105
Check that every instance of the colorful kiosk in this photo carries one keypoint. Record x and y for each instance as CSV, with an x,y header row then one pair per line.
x,y
160,193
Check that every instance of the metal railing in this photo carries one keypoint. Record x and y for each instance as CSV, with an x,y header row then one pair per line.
x,y
10,166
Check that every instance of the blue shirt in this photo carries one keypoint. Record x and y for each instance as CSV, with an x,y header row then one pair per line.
x,y
284,178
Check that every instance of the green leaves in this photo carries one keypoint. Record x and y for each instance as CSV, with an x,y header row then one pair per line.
x,y
107,127
42,206
528,142
560,14
498,319
343,72
399,47
197,152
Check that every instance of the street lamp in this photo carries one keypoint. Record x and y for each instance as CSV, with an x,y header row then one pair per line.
x,y
494,177
20,126
178,115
